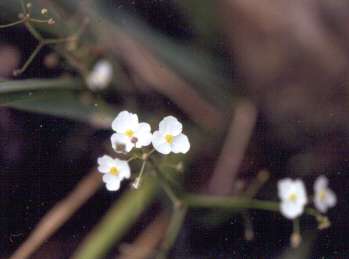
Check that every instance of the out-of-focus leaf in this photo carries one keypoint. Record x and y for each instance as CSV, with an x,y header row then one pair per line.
x,y
203,17
117,221
198,67
59,97
32,85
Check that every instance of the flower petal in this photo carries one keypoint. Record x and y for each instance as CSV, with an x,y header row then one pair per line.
x,y
104,163
331,198
291,210
284,186
123,166
143,135
160,144
180,144
113,185
121,143
125,121
170,125
109,178
320,183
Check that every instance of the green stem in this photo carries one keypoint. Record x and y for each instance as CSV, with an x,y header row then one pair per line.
x,y
208,201
165,185
175,225
33,31
59,40
11,24
38,20
116,222
29,60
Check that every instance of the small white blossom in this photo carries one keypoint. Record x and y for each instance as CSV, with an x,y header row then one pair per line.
x,y
114,171
129,132
324,197
293,197
100,76
169,138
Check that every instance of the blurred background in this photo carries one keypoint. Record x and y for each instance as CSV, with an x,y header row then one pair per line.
x,y
258,84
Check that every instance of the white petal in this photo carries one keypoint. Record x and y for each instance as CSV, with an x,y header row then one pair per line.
x,y
109,178
180,144
170,125
299,189
143,135
160,144
284,186
124,168
320,183
104,163
320,205
291,210
121,143
125,121
113,185
331,198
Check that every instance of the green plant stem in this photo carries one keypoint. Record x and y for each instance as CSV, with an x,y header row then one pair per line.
x,y
116,222
33,31
11,24
164,184
175,225
208,201
29,60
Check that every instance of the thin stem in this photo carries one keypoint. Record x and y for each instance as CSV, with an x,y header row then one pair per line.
x,y
60,40
33,31
165,185
175,225
38,20
11,24
132,158
137,181
142,169
29,60
208,201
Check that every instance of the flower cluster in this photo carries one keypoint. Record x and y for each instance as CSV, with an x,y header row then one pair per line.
x,y
294,197
130,134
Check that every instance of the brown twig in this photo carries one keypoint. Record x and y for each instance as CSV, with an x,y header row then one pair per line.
x,y
234,149
58,215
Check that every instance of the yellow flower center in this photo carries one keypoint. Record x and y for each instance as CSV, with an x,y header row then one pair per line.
x,y
293,197
169,138
129,133
322,195
114,171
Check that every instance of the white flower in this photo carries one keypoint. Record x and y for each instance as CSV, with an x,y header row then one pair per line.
x,y
324,197
293,197
169,138
114,171
129,132
100,76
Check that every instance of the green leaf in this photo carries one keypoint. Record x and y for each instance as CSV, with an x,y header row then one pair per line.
x,y
117,221
58,97
38,84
